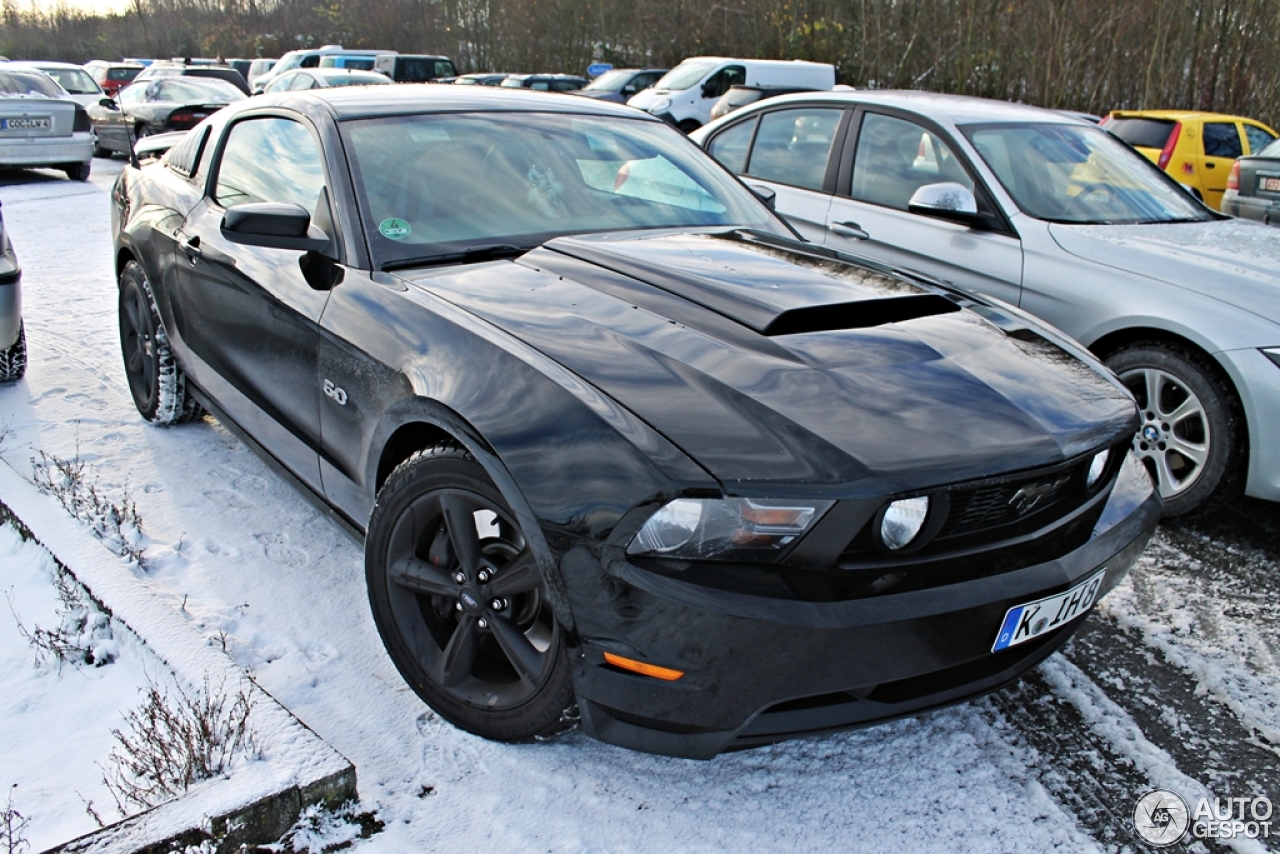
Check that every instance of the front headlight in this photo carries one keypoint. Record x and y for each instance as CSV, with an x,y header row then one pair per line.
x,y
725,528
660,106
1273,353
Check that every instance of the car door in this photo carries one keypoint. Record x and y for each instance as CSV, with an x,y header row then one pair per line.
x,y
789,151
248,313
1222,143
893,155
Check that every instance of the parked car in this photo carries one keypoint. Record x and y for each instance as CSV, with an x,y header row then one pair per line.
x,y
13,338
485,78
619,84
242,66
77,82
157,106
41,125
1253,186
1060,218
730,488
301,79
740,96
686,94
308,58
415,68
544,82
112,76
257,68
1195,148
162,70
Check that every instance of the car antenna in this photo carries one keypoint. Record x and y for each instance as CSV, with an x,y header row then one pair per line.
x,y
133,155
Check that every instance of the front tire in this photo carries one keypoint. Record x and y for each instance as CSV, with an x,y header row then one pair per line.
x,y
13,360
458,599
1191,438
156,381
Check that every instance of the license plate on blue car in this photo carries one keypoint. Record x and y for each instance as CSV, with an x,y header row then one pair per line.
x,y
1031,620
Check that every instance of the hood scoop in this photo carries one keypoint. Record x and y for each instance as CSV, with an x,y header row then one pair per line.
x,y
771,290
858,315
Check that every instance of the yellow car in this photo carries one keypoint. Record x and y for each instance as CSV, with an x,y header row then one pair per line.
x,y
1195,148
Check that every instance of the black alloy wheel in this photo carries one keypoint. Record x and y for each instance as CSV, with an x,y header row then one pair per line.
x,y
458,598
1189,439
156,382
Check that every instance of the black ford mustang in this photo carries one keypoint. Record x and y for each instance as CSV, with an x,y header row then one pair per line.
x,y
610,433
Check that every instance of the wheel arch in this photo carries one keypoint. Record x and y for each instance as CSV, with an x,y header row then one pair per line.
x,y
416,423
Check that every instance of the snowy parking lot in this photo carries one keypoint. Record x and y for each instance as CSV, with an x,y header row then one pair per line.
x,y
1173,683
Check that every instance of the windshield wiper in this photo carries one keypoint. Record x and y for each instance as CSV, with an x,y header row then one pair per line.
x,y
470,255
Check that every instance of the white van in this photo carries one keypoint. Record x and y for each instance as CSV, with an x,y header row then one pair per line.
x,y
309,58
685,94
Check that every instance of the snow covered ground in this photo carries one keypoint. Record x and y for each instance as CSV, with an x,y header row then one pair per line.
x,y
1054,764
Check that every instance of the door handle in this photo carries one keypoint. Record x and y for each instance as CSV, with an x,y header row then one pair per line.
x,y
191,248
1210,165
848,229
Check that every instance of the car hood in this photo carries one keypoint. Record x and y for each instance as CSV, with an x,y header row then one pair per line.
x,y
767,364
1234,261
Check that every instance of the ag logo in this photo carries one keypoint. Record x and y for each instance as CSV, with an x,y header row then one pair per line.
x,y
331,390
1161,817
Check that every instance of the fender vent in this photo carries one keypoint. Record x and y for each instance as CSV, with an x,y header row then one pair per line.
x,y
858,315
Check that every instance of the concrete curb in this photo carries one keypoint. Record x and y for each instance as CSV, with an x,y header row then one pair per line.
x,y
263,799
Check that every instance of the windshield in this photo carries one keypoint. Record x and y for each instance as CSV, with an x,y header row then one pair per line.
x,y
610,81
189,91
436,184
74,80
1079,174
686,74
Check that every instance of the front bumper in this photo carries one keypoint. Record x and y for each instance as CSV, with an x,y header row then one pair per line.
x,y
78,148
760,670
1257,379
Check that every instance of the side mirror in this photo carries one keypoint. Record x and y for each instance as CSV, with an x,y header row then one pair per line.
x,y
764,194
946,200
628,90
274,225
109,103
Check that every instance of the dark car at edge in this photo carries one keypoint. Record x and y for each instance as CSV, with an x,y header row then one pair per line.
x,y
611,435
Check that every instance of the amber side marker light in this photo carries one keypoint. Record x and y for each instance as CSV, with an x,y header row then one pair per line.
x,y
666,674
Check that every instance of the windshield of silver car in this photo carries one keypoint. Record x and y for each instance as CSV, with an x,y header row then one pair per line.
x,y
1080,174
436,184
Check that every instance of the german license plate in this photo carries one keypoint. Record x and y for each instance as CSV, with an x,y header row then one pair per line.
x,y
1027,622
1271,185
25,124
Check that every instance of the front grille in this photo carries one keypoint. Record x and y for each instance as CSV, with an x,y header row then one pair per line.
x,y
975,510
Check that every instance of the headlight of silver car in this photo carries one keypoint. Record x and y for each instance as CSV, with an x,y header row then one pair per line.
x,y
1273,353
725,528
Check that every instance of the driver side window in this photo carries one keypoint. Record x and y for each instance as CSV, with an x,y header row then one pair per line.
x,y
270,159
717,84
896,157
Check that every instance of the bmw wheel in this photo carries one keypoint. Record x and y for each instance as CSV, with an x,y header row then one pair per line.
x,y
459,600
156,382
1189,438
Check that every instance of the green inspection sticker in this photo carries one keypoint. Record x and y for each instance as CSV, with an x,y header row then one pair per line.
x,y
394,229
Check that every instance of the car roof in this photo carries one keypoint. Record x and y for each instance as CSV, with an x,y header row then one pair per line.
x,y
409,98
41,63
957,109
1177,115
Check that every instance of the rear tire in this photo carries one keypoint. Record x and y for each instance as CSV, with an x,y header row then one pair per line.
x,y
156,381
13,361
1192,437
78,171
